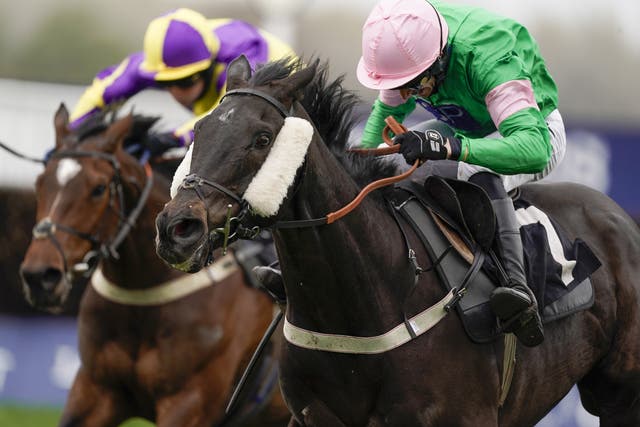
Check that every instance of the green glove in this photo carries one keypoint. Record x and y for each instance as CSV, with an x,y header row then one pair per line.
x,y
372,133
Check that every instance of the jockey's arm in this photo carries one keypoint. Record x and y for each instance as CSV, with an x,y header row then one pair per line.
x,y
388,103
113,85
524,146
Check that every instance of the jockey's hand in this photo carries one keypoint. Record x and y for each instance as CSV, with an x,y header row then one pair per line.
x,y
428,145
158,143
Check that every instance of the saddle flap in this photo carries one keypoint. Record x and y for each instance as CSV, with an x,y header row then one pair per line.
x,y
445,196
477,211
468,205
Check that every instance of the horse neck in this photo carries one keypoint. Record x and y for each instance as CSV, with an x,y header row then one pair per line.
x,y
137,265
337,274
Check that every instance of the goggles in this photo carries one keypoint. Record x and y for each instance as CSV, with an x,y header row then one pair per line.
x,y
425,83
184,83
422,87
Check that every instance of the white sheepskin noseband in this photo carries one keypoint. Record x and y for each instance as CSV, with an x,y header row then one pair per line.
x,y
181,172
269,187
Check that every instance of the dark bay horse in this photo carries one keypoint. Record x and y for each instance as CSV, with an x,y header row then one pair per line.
x,y
153,342
274,150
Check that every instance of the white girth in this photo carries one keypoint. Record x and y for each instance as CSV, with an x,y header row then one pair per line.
x,y
168,291
397,336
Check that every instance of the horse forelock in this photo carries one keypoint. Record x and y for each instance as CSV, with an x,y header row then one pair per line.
x,y
331,109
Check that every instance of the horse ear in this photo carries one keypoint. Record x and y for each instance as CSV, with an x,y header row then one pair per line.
x,y
115,134
297,81
238,72
61,124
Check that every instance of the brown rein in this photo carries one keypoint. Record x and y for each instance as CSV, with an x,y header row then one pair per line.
x,y
396,128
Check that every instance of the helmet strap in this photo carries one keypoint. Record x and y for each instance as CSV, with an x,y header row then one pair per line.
x,y
439,68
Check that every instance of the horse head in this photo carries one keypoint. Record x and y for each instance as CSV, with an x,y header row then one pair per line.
x,y
81,203
258,137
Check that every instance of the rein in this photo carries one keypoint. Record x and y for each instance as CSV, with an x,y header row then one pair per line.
x,y
21,155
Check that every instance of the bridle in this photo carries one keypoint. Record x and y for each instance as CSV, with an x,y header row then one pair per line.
x,y
46,228
235,228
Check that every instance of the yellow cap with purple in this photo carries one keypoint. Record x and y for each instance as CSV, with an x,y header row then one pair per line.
x,y
178,45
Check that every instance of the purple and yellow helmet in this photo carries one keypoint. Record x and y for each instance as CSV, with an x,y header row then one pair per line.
x,y
177,45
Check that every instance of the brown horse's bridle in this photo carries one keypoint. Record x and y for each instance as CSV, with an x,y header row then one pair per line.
x,y
46,229
234,227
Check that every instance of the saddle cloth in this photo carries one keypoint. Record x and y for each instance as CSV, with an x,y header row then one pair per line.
x,y
557,269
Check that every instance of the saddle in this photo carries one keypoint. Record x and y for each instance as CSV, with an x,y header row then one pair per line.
x,y
451,214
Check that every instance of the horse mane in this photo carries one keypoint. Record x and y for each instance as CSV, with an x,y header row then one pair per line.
x,y
331,108
99,122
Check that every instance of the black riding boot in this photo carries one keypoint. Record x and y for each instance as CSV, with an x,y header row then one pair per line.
x,y
271,280
514,304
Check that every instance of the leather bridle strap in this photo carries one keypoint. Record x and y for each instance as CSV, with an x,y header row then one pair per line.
x,y
130,220
46,228
195,182
270,99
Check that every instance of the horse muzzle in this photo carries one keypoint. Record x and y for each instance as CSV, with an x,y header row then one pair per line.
x,y
182,239
45,288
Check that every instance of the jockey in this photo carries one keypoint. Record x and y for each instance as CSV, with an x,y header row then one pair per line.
x,y
496,118
187,55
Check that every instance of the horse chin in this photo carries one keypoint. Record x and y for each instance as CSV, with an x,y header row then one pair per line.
x,y
49,302
196,261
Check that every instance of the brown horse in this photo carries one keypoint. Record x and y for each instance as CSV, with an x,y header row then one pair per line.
x,y
18,211
154,343
275,150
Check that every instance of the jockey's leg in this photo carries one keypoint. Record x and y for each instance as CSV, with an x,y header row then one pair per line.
x,y
515,304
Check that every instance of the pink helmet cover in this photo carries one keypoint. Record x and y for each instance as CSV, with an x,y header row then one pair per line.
x,y
400,39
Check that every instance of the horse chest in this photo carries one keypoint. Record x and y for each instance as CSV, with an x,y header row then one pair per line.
x,y
165,359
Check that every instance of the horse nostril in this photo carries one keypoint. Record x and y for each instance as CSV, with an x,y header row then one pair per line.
x,y
186,229
51,278
44,279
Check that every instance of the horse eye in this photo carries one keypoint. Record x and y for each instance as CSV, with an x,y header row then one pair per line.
x,y
98,190
262,140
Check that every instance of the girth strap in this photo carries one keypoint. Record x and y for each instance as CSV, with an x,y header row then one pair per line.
x,y
396,337
168,291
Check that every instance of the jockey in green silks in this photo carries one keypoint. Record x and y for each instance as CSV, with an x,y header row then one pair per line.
x,y
495,107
